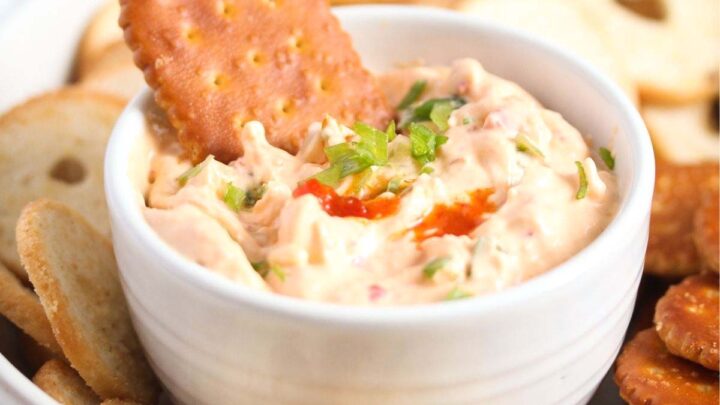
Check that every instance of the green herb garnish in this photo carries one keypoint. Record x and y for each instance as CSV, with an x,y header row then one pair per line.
x,y
424,143
440,115
234,197
391,131
413,94
394,184
264,268
457,294
427,169
193,171
526,145
424,110
582,190
353,157
254,195
434,266
467,121
608,158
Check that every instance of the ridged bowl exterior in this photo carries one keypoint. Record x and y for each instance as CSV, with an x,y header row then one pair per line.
x,y
548,341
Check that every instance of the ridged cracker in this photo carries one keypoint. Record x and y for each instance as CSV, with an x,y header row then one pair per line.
x,y
64,385
22,307
38,140
649,375
686,319
707,240
217,64
73,270
678,193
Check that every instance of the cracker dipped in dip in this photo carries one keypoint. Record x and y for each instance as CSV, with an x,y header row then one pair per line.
x,y
476,189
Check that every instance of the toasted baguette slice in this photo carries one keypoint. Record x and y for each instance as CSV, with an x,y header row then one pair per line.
x,y
53,146
102,31
62,383
73,269
123,80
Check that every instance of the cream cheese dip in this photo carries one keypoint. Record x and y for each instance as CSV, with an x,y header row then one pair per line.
x,y
477,188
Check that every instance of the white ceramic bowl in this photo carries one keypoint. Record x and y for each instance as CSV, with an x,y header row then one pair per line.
x,y
549,340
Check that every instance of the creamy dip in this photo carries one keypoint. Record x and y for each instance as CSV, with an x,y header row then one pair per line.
x,y
481,189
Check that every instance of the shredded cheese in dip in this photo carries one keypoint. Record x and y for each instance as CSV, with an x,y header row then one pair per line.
x,y
477,190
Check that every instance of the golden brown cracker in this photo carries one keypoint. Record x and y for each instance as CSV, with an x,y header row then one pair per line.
x,y
22,307
62,383
678,192
686,319
102,31
53,146
683,134
217,65
118,402
706,236
648,374
73,270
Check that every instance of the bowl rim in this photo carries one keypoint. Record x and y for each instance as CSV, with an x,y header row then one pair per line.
x,y
633,211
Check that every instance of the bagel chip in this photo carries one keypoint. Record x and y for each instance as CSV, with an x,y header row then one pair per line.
x,y
64,385
22,307
684,134
648,374
53,146
686,319
215,66
73,269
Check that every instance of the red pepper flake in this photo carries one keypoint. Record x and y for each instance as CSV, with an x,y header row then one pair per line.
x,y
376,292
460,218
342,206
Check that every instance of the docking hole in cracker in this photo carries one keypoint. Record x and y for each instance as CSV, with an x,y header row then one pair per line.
x,y
214,69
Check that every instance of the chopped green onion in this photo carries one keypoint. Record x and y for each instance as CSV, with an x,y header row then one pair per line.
x,y
582,190
193,171
413,94
608,158
525,144
234,197
440,115
264,268
391,131
424,143
467,121
373,142
278,272
394,184
457,294
329,177
423,111
434,266
254,195
427,169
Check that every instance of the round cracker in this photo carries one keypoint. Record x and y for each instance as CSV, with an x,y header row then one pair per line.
x,y
678,192
102,31
707,240
686,319
53,146
73,270
563,23
672,60
683,134
648,374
